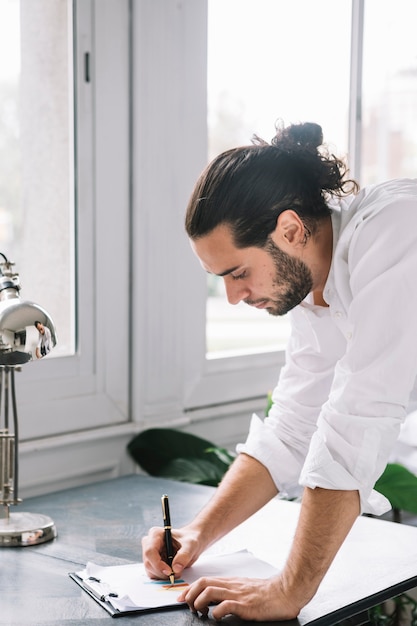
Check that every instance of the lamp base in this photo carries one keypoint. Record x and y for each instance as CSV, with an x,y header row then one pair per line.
x,y
26,529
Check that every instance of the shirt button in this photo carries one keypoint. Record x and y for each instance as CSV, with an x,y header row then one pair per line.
x,y
338,314
348,335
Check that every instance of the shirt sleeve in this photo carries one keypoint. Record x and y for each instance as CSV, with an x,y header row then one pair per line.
x,y
360,422
281,441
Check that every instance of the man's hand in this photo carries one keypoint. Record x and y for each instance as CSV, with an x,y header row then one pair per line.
x,y
248,598
186,546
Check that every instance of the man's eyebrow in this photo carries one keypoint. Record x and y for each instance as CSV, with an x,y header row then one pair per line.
x,y
229,271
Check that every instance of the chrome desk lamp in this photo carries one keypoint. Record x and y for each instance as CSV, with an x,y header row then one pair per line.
x,y
26,332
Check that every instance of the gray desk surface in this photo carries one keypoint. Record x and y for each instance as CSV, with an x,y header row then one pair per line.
x,y
104,523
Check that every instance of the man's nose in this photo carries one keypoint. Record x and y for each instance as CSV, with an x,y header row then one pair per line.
x,y
235,290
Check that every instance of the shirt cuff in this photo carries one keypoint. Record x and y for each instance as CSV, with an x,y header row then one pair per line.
x,y
283,464
321,470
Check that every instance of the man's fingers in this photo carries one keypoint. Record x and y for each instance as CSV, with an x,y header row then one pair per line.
x,y
227,607
154,554
153,550
206,591
247,598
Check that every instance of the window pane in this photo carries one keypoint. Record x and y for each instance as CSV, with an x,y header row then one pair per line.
x,y
271,60
389,99
36,152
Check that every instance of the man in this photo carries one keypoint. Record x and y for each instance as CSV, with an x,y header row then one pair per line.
x,y
44,344
281,225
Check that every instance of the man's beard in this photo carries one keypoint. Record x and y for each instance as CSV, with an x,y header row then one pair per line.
x,y
293,278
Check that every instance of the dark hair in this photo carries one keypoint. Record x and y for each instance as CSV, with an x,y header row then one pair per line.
x,y
248,187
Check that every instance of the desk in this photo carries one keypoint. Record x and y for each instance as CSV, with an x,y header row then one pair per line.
x,y
104,523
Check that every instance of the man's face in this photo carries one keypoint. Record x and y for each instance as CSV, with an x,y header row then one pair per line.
x,y
267,278
40,328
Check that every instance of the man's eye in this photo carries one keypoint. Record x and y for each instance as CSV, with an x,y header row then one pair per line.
x,y
239,276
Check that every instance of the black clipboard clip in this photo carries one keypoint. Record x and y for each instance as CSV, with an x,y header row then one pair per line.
x,y
98,589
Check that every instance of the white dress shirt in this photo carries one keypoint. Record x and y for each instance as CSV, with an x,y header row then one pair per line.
x,y
350,367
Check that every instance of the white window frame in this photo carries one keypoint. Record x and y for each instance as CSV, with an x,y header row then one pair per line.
x,y
355,104
67,405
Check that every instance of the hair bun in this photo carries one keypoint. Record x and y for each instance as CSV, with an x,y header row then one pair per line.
x,y
307,135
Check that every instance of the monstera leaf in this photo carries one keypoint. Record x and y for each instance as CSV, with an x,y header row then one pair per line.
x,y
399,486
175,454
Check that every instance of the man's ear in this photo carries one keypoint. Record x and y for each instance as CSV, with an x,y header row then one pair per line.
x,y
289,230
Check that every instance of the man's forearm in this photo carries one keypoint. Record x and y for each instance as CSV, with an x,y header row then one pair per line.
x,y
246,487
326,518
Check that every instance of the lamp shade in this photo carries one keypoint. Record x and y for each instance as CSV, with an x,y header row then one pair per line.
x,y
21,323
18,333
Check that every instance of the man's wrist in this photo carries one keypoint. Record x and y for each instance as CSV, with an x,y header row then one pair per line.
x,y
288,601
298,589
202,531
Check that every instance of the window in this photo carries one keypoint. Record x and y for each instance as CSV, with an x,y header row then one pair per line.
x,y
300,60
389,91
37,173
270,61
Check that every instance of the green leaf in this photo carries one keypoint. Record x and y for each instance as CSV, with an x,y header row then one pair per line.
x,y
192,470
158,452
225,456
269,402
399,486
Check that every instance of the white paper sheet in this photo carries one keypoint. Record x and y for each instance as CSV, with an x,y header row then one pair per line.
x,y
127,587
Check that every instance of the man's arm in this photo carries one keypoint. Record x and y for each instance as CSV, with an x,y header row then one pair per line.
x,y
246,487
325,519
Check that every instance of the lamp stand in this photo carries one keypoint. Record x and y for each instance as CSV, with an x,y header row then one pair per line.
x,y
16,529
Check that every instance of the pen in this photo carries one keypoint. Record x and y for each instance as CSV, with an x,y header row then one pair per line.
x,y
168,536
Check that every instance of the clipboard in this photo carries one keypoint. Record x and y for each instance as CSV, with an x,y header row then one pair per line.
x,y
126,589
105,603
